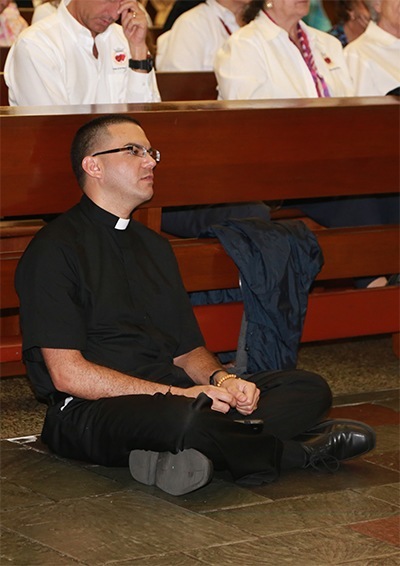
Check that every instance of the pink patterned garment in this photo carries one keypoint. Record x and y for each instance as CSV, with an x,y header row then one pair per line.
x,y
319,81
11,25
320,84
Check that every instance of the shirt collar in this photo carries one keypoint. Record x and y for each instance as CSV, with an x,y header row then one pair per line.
x,y
98,214
379,35
225,14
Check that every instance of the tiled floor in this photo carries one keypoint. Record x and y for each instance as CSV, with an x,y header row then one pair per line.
x,y
57,512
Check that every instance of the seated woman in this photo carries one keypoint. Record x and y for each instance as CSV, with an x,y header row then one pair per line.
x,y
374,58
352,18
11,23
278,56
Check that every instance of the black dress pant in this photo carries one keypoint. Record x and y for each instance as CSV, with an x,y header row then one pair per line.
x,y
106,430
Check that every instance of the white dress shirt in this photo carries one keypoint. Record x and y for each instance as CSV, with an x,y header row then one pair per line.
x,y
43,11
260,61
374,61
192,42
52,63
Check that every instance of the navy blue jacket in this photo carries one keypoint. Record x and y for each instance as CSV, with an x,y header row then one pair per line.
x,y
278,262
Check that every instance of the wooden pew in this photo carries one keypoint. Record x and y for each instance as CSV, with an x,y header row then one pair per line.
x,y
231,152
3,91
152,35
172,86
27,14
3,56
187,86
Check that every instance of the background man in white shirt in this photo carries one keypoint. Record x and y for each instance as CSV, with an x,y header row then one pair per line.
x,y
81,56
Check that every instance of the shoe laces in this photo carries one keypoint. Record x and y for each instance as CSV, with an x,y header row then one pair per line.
x,y
323,463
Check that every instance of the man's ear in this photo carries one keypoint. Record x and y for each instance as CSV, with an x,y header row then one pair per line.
x,y
92,166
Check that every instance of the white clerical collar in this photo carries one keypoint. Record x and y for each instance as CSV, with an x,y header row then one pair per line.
x,y
122,223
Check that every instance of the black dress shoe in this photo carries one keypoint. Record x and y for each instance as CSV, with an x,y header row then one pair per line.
x,y
329,425
342,442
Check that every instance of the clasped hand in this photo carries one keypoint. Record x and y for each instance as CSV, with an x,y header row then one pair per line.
x,y
236,394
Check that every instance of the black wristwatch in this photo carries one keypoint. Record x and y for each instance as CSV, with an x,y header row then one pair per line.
x,y
141,65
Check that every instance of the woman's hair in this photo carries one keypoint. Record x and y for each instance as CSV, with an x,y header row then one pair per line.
x,y
252,10
343,8
88,137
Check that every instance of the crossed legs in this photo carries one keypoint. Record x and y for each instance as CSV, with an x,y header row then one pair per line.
x,y
107,430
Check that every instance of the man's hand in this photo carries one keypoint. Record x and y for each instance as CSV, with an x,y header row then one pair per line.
x,y
134,24
245,393
234,393
222,399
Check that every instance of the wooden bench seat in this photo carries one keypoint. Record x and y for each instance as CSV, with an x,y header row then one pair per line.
x,y
227,152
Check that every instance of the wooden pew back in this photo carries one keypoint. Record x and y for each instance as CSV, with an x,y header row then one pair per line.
x,y
3,56
227,152
259,150
3,90
27,14
187,86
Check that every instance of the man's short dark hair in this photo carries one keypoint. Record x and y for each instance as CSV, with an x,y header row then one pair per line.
x,y
86,140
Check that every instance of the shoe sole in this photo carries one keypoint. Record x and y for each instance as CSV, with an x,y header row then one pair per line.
x,y
143,465
175,474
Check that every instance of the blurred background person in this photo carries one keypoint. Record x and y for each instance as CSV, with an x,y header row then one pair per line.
x,y
177,9
46,8
278,56
11,23
196,35
374,58
351,20
80,55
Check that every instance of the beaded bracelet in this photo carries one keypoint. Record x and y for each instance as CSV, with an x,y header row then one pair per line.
x,y
227,376
214,373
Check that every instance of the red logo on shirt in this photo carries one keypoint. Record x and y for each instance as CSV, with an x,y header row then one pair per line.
x,y
120,57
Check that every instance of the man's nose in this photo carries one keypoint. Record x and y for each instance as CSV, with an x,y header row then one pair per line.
x,y
149,161
113,10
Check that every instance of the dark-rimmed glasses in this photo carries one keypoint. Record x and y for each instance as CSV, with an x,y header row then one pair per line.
x,y
134,149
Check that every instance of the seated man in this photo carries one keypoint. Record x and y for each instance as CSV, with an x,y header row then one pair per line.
x,y
112,346
80,55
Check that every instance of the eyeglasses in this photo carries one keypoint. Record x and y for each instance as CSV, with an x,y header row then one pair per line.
x,y
134,149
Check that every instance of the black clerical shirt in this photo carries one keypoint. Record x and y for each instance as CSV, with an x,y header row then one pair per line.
x,y
109,288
